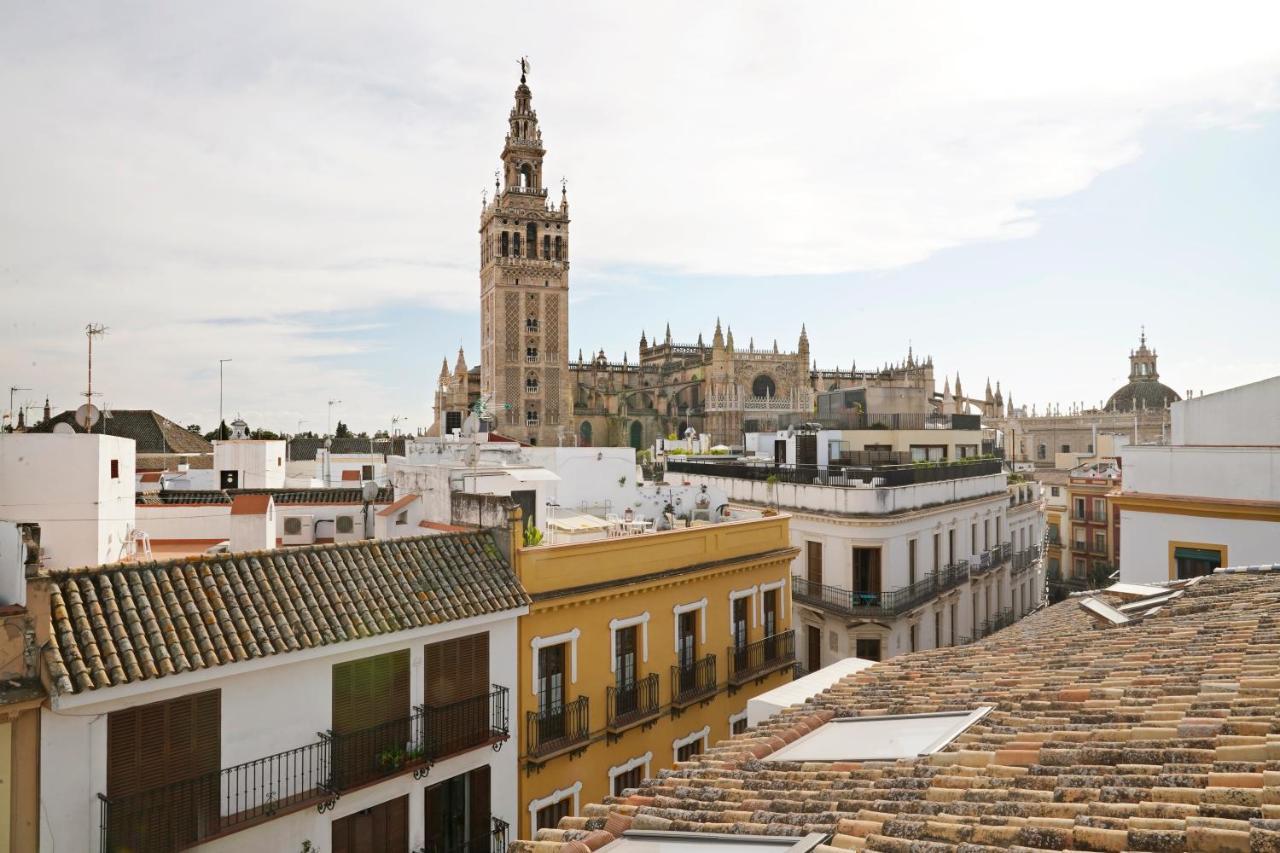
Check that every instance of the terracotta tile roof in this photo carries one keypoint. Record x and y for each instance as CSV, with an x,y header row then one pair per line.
x,y
344,495
250,504
1162,734
124,623
400,504
151,431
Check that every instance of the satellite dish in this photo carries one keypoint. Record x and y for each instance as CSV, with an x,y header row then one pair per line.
x,y
64,428
369,491
87,415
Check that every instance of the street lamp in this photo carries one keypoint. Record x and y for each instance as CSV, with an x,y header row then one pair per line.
x,y
221,362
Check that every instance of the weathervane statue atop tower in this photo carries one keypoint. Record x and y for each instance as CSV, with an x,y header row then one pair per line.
x,y
524,67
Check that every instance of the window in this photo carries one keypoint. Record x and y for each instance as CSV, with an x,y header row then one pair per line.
x,y
914,631
1193,562
951,545
1066,448
740,606
763,386
953,612
505,244
369,694
628,779
550,688
973,538
515,243
149,746
866,570
986,534
937,629
1077,508
1040,451
624,669
867,649
1099,542
546,247
402,518
366,472
458,812
1055,491
692,744
911,562
1077,568
531,383
686,640
1099,509
937,551
115,469
531,418
880,738
548,817
928,452
531,239
739,725
531,353
456,670
558,247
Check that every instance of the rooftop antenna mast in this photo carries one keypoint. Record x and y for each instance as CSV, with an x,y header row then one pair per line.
x,y
91,331
328,430
13,421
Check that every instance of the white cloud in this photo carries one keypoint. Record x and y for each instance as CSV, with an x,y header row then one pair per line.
x,y
168,165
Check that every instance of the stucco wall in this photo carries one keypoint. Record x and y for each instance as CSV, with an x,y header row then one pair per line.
x,y
853,500
1146,536
267,706
1248,414
1247,473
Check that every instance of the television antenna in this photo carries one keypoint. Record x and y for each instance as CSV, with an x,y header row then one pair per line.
x,y
13,389
328,429
91,331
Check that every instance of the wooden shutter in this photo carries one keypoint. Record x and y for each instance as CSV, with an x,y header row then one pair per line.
x,y
370,691
153,745
478,782
456,669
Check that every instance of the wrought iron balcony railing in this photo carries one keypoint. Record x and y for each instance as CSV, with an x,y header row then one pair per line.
x,y
557,729
863,603
761,657
693,682
180,814
495,841
632,702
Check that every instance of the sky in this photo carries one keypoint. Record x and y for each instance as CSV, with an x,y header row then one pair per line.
x,y
1015,189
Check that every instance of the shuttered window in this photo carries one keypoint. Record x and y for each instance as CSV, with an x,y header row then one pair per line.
x,y
370,691
384,828
457,669
170,750
457,812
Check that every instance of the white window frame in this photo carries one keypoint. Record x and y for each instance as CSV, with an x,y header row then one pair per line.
x,y
735,594
628,766
616,625
766,587
700,734
554,797
680,609
570,637
733,718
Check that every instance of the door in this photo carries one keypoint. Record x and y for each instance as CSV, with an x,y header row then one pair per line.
x,y
866,572
383,828
457,813
370,716
527,500
868,649
813,563
625,670
456,685
807,449
228,479
740,607
687,651
770,615
551,693
814,647
780,451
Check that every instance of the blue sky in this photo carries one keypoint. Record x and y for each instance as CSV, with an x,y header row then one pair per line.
x,y
1012,188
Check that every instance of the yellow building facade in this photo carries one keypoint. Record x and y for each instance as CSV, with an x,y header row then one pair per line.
x,y
641,651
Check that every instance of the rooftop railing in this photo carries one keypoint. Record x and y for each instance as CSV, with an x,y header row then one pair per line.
x,y
184,813
840,475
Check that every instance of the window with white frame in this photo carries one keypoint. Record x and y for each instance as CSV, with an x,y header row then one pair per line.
x,y
629,774
738,722
546,812
568,637
616,625
694,743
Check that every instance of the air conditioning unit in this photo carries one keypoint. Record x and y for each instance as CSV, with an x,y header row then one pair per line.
x,y
348,528
298,530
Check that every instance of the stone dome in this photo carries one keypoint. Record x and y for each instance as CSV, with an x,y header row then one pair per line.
x,y
1144,389
1142,394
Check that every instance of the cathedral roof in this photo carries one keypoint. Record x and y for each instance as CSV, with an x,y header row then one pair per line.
x,y
1142,394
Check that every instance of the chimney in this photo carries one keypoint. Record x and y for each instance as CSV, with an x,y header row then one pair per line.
x,y
253,523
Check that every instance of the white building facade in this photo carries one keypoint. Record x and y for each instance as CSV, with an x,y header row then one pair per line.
x,y
1212,497
311,720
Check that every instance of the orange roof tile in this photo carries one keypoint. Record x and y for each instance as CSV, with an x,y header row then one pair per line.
x,y
250,504
400,504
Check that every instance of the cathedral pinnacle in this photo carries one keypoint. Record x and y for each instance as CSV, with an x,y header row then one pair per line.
x,y
717,339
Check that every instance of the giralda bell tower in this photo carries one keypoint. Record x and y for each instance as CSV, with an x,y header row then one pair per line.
x,y
524,290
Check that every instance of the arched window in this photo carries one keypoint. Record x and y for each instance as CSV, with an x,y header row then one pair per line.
x,y
526,176
637,435
558,248
531,234
1040,451
584,434
763,386
505,243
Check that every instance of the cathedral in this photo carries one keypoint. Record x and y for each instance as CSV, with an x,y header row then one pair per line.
x,y
535,392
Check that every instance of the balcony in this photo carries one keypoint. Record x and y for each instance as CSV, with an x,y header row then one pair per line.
x,y
182,814
889,604
1025,559
494,842
557,730
632,703
758,659
693,682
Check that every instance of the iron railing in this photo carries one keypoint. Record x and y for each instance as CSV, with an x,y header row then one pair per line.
x,y
558,728
841,475
692,682
891,603
466,724
184,813
493,842
761,657
632,702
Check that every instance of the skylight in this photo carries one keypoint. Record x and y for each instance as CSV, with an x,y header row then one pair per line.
x,y
654,841
1102,610
885,738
